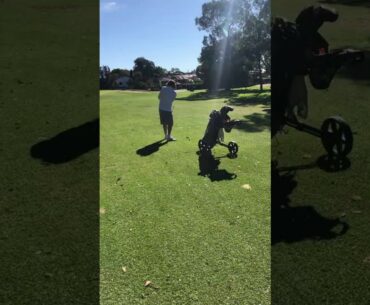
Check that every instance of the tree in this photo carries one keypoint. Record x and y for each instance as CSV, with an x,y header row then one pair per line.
x,y
223,21
175,71
121,72
256,38
222,18
104,72
206,68
237,41
159,71
108,77
144,75
145,66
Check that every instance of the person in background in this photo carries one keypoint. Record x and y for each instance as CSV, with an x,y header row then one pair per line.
x,y
166,98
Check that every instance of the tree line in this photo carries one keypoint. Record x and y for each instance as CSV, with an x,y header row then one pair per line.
x,y
235,52
144,75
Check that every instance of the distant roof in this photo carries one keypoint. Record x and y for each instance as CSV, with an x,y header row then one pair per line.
x,y
181,77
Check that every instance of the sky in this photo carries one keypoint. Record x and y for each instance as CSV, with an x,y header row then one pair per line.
x,y
162,31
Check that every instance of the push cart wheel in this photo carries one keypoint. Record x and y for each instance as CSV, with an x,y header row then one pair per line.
x,y
336,137
204,147
233,148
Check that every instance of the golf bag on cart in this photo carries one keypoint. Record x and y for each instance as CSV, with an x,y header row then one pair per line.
x,y
299,50
218,121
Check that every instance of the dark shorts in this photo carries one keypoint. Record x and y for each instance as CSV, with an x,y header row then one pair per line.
x,y
166,117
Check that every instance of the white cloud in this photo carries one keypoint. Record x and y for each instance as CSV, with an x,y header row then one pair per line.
x,y
109,6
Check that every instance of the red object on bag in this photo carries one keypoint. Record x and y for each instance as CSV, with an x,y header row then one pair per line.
x,y
322,51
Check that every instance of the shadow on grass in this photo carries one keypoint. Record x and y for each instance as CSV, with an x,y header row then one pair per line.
x,y
324,162
357,71
256,122
330,165
198,96
208,167
255,99
69,144
364,3
293,224
151,148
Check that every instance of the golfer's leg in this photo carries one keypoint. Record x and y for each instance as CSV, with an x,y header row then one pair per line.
x,y
169,129
165,130
170,124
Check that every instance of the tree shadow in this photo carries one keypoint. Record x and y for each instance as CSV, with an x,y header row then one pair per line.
x,y
294,224
294,168
207,95
249,100
364,3
256,122
151,148
208,167
324,162
248,90
333,165
68,144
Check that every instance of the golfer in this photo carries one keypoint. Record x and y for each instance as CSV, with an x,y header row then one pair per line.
x,y
166,97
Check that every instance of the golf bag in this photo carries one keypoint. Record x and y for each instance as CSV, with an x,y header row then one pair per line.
x,y
218,121
297,50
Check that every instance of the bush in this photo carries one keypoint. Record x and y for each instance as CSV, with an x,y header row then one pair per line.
x,y
142,85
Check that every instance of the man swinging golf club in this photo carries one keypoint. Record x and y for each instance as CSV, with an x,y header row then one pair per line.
x,y
166,97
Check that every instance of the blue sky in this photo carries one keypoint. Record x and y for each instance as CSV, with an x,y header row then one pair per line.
x,y
163,31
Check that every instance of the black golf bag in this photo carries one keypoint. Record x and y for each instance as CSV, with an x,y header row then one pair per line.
x,y
297,50
218,121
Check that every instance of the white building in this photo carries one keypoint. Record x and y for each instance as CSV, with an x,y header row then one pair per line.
x,y
122,82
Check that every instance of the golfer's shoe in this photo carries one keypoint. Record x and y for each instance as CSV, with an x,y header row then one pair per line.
x,y
169,138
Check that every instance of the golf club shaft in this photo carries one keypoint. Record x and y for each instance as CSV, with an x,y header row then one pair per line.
x,y
305,128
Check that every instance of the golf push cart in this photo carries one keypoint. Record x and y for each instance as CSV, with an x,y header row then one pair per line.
x,y
219,121
298,50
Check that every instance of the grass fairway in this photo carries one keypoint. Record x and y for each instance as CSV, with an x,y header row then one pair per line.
x,y
48,212
335,270
198,241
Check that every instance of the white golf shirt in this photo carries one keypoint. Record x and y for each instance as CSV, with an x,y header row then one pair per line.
x,y
166,97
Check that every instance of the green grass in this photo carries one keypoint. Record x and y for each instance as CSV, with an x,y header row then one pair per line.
x,y
49,222
334,271
197,241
